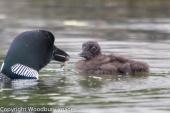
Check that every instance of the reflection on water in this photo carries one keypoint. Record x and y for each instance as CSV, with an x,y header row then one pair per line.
x,y
134,28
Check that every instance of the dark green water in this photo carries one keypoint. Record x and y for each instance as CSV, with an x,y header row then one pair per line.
x,y
139,29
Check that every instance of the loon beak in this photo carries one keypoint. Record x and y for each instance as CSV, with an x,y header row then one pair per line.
x,y
60,55
82,55
85,55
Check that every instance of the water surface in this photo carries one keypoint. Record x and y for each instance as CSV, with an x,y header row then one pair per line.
x,y
140,36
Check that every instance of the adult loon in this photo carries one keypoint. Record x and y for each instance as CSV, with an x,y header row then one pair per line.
x,y
29,52
95,62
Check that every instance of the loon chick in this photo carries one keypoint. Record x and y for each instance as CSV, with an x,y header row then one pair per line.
x,y
29,52
95,62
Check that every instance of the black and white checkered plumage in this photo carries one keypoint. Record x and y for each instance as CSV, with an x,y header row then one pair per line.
x,y
25,71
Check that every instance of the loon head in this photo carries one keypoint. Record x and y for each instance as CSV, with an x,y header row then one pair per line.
x,y
29,52
90,49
